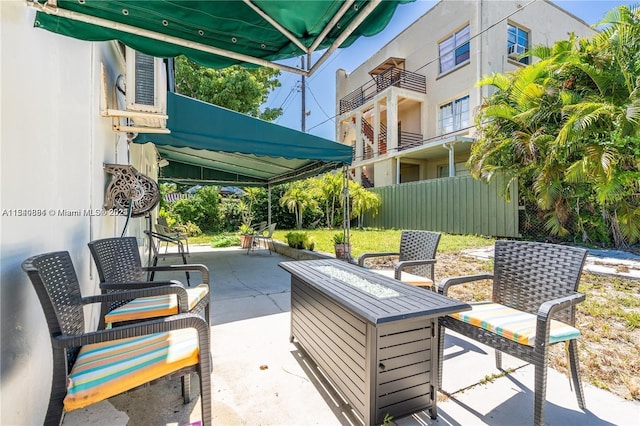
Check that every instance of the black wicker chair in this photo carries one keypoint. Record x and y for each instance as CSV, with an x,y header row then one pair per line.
x,y
180,343
532,278
416,258
120,268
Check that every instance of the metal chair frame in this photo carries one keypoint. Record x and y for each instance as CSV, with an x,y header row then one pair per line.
x,y
265,235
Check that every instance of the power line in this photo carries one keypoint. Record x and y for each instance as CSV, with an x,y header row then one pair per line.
x,y
279,92
293,89
322,122
318,103
289,99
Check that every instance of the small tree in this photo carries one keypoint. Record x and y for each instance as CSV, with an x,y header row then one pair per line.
x,y
298,198
329,189
236,88
362,201
245,205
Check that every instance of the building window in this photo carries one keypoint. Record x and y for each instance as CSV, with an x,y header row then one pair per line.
x,y
517,43
454,50
454,115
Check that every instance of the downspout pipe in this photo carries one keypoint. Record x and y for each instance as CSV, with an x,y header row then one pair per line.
x,y
452,165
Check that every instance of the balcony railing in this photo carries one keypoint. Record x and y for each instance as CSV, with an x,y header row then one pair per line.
x,y
392,76
409,140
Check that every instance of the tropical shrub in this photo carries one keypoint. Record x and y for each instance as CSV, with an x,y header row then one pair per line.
x,y
567,129
299,240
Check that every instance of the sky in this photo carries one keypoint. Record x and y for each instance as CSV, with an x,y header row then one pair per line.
x,y
320,93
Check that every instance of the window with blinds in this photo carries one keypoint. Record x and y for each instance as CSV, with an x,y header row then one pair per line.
x,y
454,50
454,116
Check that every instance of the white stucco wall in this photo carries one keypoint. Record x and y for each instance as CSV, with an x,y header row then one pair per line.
x,y
53,143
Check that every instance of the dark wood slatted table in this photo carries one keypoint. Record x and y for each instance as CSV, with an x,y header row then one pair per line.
x,y
374,337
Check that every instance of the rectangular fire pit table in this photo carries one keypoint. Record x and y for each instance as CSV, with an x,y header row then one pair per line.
x,y
375,338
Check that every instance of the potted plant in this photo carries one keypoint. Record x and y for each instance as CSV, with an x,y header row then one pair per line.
x,y
246,217
342,249
246,232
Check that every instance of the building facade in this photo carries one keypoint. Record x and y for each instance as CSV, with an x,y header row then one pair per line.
x,y
408,110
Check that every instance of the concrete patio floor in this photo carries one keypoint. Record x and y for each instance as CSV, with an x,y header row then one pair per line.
x,y
260,378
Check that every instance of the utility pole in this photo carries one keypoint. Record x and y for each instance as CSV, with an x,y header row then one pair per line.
x,y
304,111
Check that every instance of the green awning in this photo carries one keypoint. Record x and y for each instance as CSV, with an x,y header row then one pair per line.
x,y
210,144
219,33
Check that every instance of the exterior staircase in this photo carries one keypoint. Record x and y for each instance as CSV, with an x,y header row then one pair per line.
x,y
367,131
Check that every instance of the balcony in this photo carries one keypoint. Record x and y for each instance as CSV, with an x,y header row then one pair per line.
x,y
392,76
406,140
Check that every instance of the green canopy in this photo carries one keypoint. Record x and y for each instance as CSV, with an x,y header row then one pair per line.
x,y
211,144
219,33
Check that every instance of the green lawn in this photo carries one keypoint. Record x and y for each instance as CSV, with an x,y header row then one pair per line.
x,y
363,241
369,240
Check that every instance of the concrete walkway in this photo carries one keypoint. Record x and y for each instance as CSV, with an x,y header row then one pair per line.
x,y
601,262
260,378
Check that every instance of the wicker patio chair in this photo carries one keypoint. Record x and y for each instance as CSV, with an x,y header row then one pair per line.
x,y
120,268
532,307
416,258
266,236
130,356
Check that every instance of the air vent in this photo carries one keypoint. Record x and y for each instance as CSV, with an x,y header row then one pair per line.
x,y
146,86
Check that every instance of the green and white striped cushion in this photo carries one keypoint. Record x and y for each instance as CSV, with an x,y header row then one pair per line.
x,y
513,324
155,306
107,369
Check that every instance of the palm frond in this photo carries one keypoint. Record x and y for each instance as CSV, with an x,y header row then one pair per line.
x,y
629,223
554,225
500,81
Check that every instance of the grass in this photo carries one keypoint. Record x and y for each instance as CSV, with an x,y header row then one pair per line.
x,y
362,241
609,319
370,240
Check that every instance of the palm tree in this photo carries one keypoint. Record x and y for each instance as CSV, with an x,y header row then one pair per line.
x,y
567,128
327,190
298,198
362,201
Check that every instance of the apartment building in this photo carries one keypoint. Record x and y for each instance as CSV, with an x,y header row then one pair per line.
x,y
408,110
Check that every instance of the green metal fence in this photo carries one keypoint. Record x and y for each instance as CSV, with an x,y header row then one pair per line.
x,y
457,205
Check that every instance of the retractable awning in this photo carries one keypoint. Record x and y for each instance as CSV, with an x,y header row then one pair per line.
x,y
219,33
213,145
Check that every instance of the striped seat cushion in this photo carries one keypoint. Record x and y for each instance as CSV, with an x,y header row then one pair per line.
x,y
513,324
103,370
155,306
406,277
